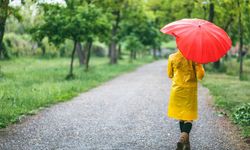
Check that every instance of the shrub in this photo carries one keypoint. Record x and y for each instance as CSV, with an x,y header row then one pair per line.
x,y
18,45
241,115
99,49
23,45
65,49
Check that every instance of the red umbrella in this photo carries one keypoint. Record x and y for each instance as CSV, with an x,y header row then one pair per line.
x,y
199,40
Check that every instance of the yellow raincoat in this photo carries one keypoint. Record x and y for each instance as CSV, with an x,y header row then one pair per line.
x,y
183,96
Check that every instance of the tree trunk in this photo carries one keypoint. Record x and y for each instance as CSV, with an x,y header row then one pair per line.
x,y
205,12
189,7
160,52
80,53
109,52
43,50
154,53
211,12
113,51
119,51
3,17
131,55
226,26
40,44
70,75
89,45
241,41
216,64
134,54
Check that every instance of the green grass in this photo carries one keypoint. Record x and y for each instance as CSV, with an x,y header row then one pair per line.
x,y
229,93
28,84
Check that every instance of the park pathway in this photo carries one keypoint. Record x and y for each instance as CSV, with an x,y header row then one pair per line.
x,y
127,112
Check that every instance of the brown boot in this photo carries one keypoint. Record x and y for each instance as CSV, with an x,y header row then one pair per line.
x,y
187,146
182,141
187,143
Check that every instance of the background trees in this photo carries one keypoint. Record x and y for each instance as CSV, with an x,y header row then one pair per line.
x,y
80,24
5,12
80,21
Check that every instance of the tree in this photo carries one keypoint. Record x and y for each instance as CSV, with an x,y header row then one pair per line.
x,y
117,10
166,11
234,18
5,12
133,44
3,16
79,21
138,29
81,53
211,19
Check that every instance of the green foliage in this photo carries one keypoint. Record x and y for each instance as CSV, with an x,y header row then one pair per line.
x,y
132,43
19,45
140,27
51,49
231,67
65,47
22,45
222,69
80,22
29,84
99,49
24,17
241,115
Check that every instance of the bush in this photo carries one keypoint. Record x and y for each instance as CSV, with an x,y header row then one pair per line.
x,y
241,115
65,49
210,67
99,50
23,45
18,45
50,49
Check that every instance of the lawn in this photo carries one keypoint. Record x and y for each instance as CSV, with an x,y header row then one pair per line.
x,y
229,94
29,84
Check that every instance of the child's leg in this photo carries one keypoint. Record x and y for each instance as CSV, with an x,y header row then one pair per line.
x,y
181,123
187,126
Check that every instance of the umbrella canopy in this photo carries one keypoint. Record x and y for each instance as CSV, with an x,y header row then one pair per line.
x,y
199,40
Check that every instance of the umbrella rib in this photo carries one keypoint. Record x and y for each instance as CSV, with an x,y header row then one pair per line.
x,y
186,44
218,38
228,42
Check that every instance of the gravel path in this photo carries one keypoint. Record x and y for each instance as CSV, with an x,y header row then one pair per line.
x,y
125,113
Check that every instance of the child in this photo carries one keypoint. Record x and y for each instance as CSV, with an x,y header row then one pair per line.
x,y
183,96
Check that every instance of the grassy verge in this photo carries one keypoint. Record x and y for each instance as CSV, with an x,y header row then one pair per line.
x,y
230,94
28,84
